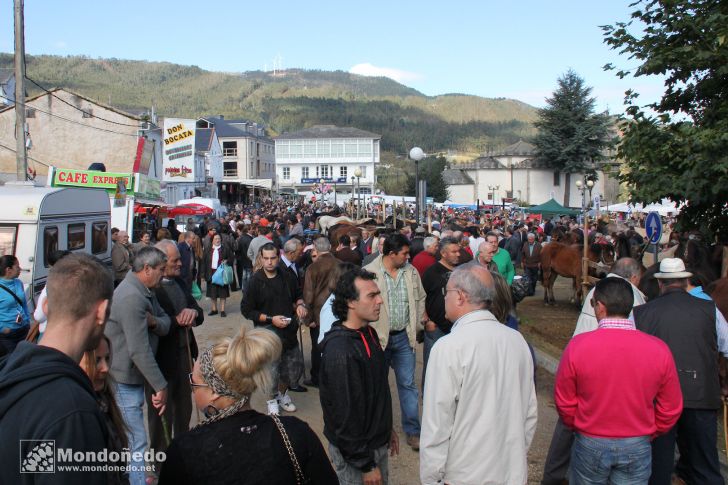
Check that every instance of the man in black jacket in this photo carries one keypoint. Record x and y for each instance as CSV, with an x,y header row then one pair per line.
x,y
688,326
274,300
354,388
175,349
47,403
243,264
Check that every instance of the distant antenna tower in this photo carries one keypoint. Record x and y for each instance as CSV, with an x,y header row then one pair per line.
x,y
277,64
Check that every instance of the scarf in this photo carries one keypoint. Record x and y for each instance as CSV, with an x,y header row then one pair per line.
x,y
215,257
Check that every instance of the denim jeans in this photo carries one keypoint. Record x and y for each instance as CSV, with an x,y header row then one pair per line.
x,y
348,475
430,339
130,399
401,357
622,461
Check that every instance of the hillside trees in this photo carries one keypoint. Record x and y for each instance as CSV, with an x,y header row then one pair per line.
x,y
677,147
571,137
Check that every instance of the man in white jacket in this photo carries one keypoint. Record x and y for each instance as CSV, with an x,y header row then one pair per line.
x,y
480,407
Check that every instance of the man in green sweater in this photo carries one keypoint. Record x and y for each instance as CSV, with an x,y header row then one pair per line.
x,y
501,258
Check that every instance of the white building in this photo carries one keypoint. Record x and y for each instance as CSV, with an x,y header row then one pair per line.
x,y
515,174
248,159
330,153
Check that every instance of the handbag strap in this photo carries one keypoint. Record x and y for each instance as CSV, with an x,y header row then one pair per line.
x,y
17,300
300,478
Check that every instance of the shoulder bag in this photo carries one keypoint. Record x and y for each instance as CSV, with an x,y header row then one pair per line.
x,y
300,477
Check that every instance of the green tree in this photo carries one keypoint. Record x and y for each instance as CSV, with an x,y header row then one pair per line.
x,y
398,178
677,147
431,169
571,137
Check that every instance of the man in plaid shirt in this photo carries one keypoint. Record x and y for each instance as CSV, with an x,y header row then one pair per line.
x,y
402,315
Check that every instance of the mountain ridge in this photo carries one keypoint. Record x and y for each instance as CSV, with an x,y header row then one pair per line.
x,y
292,99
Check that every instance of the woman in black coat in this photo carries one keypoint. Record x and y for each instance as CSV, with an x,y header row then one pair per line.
x,y
213,256
236,444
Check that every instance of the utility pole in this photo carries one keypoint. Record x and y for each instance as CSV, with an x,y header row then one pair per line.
x,y
20,150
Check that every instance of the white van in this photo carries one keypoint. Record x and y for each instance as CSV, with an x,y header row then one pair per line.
x,y
36,221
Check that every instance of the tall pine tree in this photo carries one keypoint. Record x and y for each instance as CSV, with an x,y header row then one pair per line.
x,y
571,137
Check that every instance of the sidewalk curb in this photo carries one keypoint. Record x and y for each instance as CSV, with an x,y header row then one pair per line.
x,y
546,361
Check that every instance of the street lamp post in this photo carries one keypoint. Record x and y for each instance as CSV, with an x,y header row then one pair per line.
x,y
493,189
417,154
583,187
357,174
352,194
321,186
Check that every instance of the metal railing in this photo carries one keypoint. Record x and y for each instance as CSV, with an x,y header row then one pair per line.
x,y
233,172
230,152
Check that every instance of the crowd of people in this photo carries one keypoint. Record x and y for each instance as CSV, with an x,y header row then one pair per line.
x,y
632,383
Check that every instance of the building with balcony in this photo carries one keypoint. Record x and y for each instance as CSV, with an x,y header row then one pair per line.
x,y
248,159
330,153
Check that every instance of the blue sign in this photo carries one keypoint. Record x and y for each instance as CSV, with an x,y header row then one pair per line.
x,y
653,227
327,180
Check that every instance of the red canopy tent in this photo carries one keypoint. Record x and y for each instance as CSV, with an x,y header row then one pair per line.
x,y
190,210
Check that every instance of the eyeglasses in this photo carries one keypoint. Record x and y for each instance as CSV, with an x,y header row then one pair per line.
x,y
194,384
445,290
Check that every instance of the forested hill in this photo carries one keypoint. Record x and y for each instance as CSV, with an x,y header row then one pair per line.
x,y
291,100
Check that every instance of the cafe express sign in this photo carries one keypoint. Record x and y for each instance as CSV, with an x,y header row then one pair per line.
x,y
90,179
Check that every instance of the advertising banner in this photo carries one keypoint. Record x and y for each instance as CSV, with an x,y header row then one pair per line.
x,y
178,152
90,179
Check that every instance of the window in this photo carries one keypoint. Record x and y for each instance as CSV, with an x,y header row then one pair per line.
x,y
557,179
325,171
286,173
50,243
304,172
30,112
76,236
88,113
229,149
337,148
363,169
7,239
343,171
350,148
99,237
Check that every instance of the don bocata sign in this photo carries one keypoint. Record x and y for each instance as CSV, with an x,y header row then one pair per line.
x,y
178,152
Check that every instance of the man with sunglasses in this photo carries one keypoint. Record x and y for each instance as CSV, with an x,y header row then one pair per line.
x,y
617,388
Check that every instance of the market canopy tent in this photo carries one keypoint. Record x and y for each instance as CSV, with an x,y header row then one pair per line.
x,y
552,208
664,208
190,210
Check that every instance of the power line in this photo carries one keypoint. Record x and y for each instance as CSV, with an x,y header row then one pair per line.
x,y
29,157
87,113
70,120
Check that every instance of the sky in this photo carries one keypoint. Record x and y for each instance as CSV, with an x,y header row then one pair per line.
x,y
513,49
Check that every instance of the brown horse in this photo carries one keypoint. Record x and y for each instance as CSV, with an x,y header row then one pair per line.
x,y
565,260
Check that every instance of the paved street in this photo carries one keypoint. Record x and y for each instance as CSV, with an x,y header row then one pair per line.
x,y
404,470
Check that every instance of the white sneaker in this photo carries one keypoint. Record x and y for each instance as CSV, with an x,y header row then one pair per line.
x,y
284,400
273,407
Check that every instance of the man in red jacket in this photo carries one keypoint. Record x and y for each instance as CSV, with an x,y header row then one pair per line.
x,y
617,388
